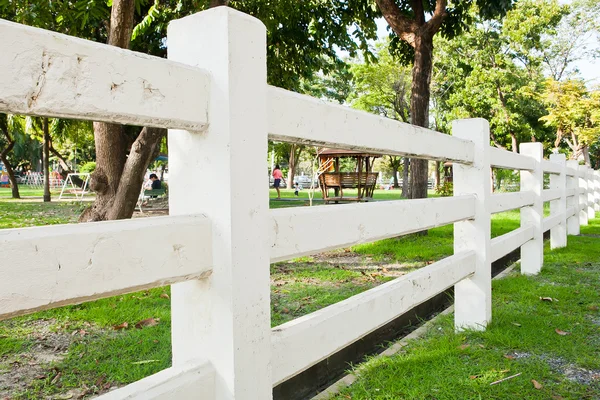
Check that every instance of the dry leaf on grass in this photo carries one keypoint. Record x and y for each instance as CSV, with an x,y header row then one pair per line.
x,y
562,333
536,384
516,323
464,346
124,325
164,296
147,322
509,357
546,299
473,376
593,308
56,378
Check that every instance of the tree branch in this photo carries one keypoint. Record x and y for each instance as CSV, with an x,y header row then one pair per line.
x,y
434,24
403,26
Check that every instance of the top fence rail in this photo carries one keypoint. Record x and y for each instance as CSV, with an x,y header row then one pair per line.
x,y
53,75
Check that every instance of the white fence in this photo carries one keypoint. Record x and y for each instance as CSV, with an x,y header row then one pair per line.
x,y
216,246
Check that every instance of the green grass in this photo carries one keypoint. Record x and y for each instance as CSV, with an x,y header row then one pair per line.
x,y
96,356
522,338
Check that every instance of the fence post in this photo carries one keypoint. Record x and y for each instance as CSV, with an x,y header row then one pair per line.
x,y
532,252
221,172
583,212
597,192
591,194
573,201
473,296
558,234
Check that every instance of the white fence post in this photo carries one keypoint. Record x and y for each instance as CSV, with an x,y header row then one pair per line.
x,y
591,194
573,201
473,296
558,234
532,252
583,212
220,172
597,192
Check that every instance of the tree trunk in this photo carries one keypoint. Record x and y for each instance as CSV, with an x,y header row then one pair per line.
x,y
405,172
419,108
9,169
46,161
514,143
437,181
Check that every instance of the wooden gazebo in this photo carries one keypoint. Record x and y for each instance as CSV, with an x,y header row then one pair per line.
x,y
361,178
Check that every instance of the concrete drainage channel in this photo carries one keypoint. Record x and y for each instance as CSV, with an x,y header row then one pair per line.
x,y
329,376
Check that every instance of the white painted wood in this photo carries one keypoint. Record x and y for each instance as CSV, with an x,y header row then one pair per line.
x,y
571,212
532,252
49,74
572,170
308,230
473,295
303,342
591,197
550,167
52,266
500,202
195,380
551,194
583,212
573,202
502,245
551,222
510,160
572,191
558,205
597,191
222,172
302,119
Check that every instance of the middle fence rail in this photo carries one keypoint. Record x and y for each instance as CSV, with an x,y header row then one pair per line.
x,y
216,246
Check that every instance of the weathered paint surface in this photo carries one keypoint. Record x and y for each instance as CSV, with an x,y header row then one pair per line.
x,y
45,267
509,160
500,202
193,381
297,118
301,343
504,244
558,204
50,74
222,172
532,252
350,224
573,198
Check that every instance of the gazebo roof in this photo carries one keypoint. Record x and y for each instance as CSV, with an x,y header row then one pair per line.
x,y
345,153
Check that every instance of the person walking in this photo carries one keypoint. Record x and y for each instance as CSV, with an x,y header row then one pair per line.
x,y
277,175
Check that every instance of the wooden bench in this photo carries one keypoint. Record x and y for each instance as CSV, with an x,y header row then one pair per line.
x,y
348,180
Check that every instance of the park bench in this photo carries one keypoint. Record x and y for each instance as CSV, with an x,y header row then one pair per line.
x,y
149,194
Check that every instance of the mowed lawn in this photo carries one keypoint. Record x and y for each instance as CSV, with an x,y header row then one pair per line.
x,y
87,349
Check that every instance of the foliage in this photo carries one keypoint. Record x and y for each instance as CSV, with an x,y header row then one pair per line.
x,y
381,87
88,167
445,189
494,72
574,112
571,40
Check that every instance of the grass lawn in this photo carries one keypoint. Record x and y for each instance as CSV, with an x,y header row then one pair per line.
x,y
85,349
527,337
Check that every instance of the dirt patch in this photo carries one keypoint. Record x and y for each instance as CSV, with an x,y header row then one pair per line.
x,y
19,371
573,372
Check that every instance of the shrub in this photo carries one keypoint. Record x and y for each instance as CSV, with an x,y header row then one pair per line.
x,y
89,167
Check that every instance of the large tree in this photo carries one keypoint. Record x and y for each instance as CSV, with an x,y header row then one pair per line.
x,y
383,88
415,23
304,38
494,71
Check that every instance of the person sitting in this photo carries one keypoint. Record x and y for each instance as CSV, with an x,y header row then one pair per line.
x,y
156,184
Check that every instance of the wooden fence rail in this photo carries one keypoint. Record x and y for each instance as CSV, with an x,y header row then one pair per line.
x,y
215,249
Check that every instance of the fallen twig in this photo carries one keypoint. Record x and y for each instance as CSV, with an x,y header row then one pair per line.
x,y
505,379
